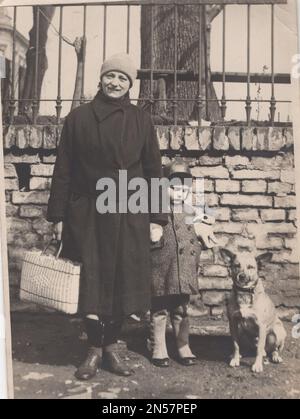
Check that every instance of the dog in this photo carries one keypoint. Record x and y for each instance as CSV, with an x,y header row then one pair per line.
x,y
253,320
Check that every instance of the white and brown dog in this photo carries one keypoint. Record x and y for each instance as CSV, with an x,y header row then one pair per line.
x,y
252,315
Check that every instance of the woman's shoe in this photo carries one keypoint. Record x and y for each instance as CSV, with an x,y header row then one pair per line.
x,y
113,363
160,362
187,361
88,369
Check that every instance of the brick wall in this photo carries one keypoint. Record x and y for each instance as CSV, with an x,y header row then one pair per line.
x,y
249,178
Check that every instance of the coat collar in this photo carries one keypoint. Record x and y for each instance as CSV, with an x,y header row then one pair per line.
x,y
104,106
182,208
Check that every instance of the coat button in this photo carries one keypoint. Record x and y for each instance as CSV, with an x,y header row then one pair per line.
x,y
193,252
189,227
192,241
181,250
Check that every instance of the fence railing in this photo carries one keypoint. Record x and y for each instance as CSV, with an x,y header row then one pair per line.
x,y
175,74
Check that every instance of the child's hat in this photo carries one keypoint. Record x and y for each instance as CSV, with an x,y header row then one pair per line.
x,y
177,168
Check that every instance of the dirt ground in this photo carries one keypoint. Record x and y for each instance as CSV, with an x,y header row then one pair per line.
x,y
48,347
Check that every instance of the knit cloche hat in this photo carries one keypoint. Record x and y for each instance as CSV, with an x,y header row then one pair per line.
x,y
120,62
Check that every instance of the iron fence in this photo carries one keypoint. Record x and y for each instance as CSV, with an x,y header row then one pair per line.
x,y
152,74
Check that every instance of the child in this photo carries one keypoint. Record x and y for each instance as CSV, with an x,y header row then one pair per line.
x,y
174,263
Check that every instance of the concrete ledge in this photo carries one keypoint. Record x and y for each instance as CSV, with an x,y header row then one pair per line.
x,y
217,138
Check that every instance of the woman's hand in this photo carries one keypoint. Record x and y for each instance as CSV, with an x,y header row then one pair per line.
x,y
156,232
58,227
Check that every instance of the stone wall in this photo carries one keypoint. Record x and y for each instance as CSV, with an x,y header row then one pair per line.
x,y
249,178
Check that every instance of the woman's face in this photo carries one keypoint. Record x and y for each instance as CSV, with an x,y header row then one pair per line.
x,y
115,84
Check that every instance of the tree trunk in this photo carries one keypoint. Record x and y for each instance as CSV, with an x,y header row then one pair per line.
x,y
187,59
30,91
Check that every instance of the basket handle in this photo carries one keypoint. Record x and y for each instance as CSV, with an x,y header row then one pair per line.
x,y
59,249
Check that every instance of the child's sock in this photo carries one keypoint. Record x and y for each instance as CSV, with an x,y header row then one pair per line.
x,y
158,334
180,323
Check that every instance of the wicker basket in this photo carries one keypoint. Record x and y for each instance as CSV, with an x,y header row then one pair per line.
x,y
49,281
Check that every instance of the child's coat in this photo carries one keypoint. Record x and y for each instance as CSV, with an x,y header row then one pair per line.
x,y
174,265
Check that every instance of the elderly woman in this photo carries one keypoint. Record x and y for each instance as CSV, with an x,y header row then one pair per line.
x,y
98,140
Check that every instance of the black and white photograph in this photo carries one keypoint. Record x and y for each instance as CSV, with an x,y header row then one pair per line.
x,y
149,158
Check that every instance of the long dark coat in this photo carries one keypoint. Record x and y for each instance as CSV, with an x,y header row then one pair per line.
x,y
174,265
98,140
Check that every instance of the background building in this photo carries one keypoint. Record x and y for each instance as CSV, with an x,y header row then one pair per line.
x,y
6,50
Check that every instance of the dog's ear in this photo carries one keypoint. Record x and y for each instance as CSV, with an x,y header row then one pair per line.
x,y
263,258
226,254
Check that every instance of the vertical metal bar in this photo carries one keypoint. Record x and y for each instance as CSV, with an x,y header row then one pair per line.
x,y
104,31
175,105
273,100
248,98
128,29
84,54
58,100
223,100
36,72
151,58
248,49
206,60
199,99
12,102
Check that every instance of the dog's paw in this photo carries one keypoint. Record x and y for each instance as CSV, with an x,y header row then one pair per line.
x,y
257,367
235,362
276,358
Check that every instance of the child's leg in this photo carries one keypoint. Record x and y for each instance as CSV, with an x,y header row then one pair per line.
x,y
158,323
180,323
